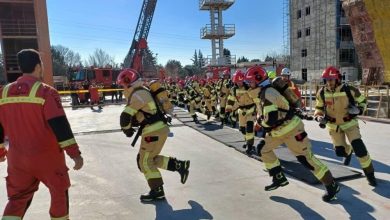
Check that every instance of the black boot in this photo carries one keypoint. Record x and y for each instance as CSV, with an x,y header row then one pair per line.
x,y
195,118
250,150
222,122
153,195
371,178
208,114
347,159
331,191
181,166
278,179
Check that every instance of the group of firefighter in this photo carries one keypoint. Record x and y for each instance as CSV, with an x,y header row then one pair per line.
x,y
272,106
37,154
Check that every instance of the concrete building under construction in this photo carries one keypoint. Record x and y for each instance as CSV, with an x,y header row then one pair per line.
x,y
24,24
320,36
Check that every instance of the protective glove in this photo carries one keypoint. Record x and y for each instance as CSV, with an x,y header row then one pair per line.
x,y
260,146
128,132
361,110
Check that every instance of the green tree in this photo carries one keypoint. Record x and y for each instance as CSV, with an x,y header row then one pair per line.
x,y
242,59
226,52
201,60
149,60
58,60
195,59
255,60
268,58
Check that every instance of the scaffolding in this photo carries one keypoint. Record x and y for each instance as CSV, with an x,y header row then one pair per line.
x,y
217,32
286,31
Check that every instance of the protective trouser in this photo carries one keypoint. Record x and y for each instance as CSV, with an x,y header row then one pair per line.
x,y
194,105
149,159
246,122
222,105
343,149
22,184
299,144
208,106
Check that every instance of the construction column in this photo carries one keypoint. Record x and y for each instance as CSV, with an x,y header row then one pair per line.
x,y
24,24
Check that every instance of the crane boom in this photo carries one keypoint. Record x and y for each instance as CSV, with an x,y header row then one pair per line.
x,y
139,43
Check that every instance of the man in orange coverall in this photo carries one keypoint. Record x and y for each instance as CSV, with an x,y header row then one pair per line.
x,y
33,119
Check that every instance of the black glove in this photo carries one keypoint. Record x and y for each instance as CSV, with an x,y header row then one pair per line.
x,y
128,132
125,121
260,146
361,110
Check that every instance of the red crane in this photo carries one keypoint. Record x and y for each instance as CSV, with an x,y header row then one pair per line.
x,y
139,44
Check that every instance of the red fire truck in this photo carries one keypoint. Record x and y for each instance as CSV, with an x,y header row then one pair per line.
x,y
100,76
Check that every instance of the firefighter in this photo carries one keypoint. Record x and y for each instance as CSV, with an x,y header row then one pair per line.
x,y
282,126
181,93
33,119
224,91
239,98
336,108
194,97
141,111
207,93
286,74
95,99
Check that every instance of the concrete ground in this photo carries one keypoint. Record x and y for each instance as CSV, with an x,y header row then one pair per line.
x,y
223,183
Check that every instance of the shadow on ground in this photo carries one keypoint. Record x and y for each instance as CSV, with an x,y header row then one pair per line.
x,y
325,149
164,211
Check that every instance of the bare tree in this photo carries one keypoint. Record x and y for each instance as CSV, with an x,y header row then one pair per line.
x,y
100,58
70,57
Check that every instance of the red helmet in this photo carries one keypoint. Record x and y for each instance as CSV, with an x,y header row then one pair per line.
x,y
181,83
194,78
238,76
127,77
331,72
226,73
202,82
256,74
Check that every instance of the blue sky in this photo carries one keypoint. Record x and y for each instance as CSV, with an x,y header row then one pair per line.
x,y
84,25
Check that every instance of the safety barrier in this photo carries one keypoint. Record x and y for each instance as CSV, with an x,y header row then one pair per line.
x,y
378,98
86,91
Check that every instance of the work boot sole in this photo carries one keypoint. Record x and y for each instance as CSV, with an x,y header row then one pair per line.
x,y
185,173
159,198
273,187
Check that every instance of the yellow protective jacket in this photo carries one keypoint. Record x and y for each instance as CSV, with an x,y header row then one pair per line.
x,y
277,119
223,88
207,92
335,106
254,94
239,98
141,106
